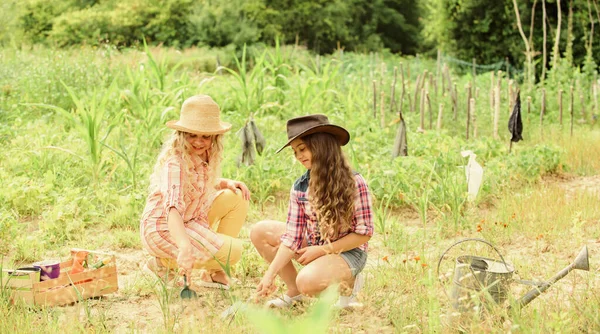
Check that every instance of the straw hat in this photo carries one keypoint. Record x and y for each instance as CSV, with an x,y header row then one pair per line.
x,y
200,115
306,125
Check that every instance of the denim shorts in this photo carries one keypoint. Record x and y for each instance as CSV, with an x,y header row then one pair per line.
x,y
356,259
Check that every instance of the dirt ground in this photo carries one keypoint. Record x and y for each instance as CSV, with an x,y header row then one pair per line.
x,y
136,306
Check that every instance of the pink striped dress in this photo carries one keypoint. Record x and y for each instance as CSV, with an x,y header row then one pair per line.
x,y
192,205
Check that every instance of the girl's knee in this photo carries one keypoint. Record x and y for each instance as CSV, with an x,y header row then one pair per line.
x,y
310,283
258,232
265,232
228,196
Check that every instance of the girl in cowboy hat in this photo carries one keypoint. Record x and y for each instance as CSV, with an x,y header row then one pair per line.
x,y
329,221
192,217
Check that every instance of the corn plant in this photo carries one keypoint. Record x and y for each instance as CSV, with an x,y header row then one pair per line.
x,y
249,88
88,118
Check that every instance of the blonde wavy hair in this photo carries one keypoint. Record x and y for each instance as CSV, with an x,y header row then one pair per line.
x,y
332,185
177,145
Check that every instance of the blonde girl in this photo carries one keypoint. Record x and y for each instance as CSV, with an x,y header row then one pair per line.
x,y
192,217
329,221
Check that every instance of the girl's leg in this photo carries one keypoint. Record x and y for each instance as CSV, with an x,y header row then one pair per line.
x,y
228,210
227,214
322,272
228,255
265,236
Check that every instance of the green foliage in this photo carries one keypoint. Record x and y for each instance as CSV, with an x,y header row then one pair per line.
x,y
124,23
10,34
38,16
487,31
221,23
355,25
81,129
315,321
8,230
321,25
477,29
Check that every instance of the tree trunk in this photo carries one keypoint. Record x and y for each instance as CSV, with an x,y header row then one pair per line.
x,y
592,27
569,49
555,50
544,56
527,46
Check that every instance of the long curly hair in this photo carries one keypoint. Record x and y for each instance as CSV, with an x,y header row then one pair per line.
x,y
332,185
177,145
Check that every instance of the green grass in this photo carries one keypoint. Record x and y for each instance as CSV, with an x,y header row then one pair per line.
x,y
80,130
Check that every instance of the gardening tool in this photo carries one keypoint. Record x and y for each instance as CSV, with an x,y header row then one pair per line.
x,y
186,292
493,277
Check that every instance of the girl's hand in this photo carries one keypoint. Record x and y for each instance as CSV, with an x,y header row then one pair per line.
x,y
310,253
185,259
235,185
266,286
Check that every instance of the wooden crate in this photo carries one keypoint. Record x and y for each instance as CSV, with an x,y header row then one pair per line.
x,y
66,288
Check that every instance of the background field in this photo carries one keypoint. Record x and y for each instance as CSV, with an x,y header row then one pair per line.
x,y
80,129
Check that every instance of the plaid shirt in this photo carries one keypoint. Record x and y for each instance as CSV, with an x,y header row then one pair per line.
x,y
192,205
302,224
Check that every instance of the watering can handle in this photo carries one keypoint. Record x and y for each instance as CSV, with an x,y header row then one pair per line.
x,y
465,240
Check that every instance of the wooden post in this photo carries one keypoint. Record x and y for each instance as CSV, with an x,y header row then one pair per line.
x,y
528,104
422,110
431,83
438,69
371,60
430,111
542,111
400,110
374,99
455,99
468,109
595,95
583,111
492,90
418,88
474,72
510,96
381,110
571,108
560,107
414,103
439,118
392,94
497,109
443,80
382,74
473,117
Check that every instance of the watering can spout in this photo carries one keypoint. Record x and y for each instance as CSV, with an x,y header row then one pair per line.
x,y
581,263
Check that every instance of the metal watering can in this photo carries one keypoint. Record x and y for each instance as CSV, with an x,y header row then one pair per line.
x,y
475,274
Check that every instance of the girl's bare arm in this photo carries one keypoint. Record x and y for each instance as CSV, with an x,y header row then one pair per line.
x,y
346,243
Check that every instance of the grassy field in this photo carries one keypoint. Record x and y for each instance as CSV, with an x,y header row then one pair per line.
x,y
80,130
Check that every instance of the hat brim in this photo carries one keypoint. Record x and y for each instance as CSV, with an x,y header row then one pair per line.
x,y
177,126
340,134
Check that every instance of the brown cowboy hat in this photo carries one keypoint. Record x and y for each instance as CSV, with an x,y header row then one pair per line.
x,y
302,126
200,115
